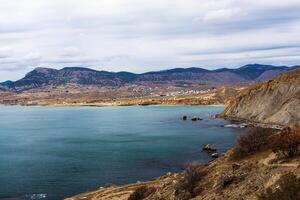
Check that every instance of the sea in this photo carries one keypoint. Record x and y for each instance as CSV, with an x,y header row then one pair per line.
x,y
55,152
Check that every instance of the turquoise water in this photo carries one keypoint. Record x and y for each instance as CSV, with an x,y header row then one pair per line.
x,y
55,152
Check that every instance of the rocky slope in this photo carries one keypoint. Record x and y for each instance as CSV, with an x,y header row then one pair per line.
x,y
45,77
223,180
275,101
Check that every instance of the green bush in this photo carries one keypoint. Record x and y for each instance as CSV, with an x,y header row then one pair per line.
x,y
288,189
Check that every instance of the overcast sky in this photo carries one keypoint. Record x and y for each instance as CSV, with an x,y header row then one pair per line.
x,y
142,35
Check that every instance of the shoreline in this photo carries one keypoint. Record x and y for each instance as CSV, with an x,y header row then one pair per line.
x,y
165,181
165,178
248,123
108,105
252,123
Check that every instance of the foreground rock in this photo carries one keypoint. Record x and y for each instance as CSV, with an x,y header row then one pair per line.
x,y
272,102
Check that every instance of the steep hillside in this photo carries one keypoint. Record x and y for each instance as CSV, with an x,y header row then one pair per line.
x,y
43,77
274,101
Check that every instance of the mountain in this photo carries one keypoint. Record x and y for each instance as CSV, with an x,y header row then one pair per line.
x,y
274,101
72,75
41,77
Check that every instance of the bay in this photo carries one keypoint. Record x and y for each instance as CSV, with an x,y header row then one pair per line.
x,y
55,152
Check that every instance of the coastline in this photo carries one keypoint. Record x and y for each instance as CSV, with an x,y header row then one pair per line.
x,y
167,183
252,123
169,180
176,118
46,104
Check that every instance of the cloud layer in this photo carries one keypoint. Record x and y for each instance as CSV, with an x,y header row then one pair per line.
x,y
139,36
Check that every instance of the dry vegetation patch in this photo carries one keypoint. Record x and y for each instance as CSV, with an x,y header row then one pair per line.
x,y
252,141
286,188
189,187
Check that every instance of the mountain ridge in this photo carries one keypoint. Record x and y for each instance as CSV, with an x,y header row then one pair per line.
x,y
40,76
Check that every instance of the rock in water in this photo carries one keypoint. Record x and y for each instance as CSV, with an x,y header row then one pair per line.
x,y
209,148
215,155
195,118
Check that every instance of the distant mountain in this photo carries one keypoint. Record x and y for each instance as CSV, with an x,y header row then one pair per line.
x,y
41,77
72,75
8,82
253,72
274,101
5,85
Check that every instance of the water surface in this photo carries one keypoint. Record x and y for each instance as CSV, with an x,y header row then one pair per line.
x,y
55,152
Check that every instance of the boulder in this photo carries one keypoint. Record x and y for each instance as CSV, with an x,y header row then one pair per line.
x,y
214,155
209,148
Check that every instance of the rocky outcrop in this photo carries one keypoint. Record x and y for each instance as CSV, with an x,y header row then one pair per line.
x,y
275,101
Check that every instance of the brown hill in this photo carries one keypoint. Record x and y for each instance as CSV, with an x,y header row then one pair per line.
x,y
275,101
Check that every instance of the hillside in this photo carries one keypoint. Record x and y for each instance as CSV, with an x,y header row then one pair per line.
x,y
45,77
221,179
274,101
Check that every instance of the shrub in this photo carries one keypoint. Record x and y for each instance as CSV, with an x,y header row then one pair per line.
x,y
251,141
287,142
226,180
141,193
187,187
288,189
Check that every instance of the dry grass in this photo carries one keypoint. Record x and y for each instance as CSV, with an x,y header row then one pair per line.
x,y
252,141
287,188
188,186
287,142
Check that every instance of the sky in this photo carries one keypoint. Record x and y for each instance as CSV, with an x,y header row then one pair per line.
x,y
146,35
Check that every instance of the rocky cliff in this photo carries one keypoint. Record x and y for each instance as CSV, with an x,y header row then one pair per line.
x,y
275,101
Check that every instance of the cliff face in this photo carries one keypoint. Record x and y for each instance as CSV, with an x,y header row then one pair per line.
x,y
275,101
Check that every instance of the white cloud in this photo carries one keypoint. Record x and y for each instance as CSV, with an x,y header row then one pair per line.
x,y
222,14
138,36
32,56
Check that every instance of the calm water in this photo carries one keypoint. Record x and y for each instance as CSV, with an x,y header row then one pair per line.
x,y
54,152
